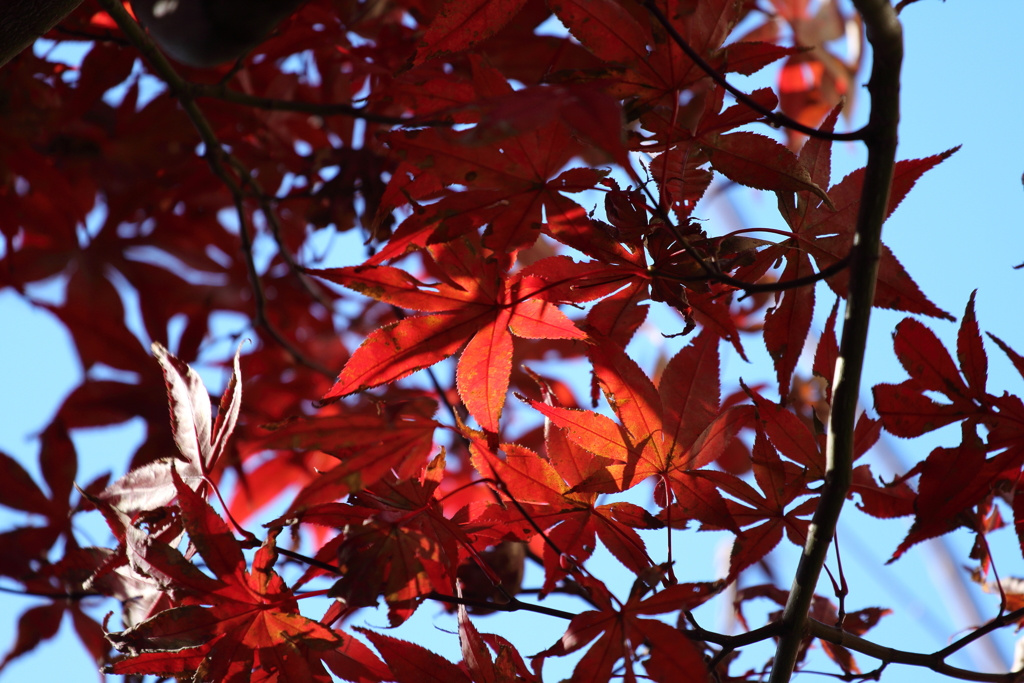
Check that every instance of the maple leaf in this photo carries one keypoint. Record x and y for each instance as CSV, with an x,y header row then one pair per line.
x,y
509,666
200,439
412,663
471,131
511,181
460,25
477,307
905,408
43,622
250,628
571,520
369,443
59,463
953,480
827,232
781,483
396,542
654,438
673,656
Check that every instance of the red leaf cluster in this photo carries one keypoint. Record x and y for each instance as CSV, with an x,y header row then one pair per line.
x,y
471,152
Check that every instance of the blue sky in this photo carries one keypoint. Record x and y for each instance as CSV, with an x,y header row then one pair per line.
x,y
959,230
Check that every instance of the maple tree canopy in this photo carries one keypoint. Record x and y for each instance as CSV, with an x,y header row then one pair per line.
x,y
526,200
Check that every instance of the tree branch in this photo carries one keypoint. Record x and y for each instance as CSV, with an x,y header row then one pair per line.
x,y
22,21
1004,619
775,119
221,92
935,661
754,287
72,595
513,605
886,37
215,156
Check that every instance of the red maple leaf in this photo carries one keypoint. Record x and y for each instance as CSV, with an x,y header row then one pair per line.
x,y
477,307
764,513
396,542
545,490
200,439
242,625
620,629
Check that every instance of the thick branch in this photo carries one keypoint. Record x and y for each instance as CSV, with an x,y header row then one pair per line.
x,y
886,37
22,21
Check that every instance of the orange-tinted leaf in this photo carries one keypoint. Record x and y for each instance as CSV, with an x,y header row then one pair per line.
x,y
474,651
631,395
596,433
401,348
536,319
483,372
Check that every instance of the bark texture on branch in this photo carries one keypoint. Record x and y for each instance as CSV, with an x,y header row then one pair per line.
x,y
22,21
886,37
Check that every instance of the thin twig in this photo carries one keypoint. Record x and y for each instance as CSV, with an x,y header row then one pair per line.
x,y
714,273
105,37
222,92
215,155
754,287
73,595
902,4
1002,620
740,640
775,119
513,604
274,223
935,661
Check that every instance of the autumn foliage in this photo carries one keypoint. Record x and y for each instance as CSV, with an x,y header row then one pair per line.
x,y
526,200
